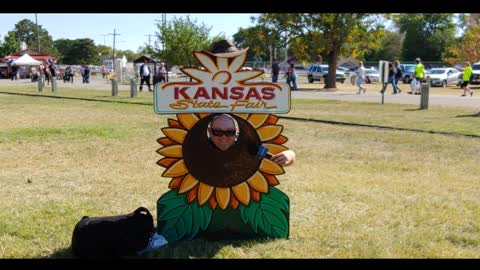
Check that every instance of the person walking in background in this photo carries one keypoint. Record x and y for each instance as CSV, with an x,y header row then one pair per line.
x,y
82,72
467,75
145,75
292,77
360,76
275,70
391,79
86,75
398,74
48,74
53,72
419,72
14,72
104,72
162,73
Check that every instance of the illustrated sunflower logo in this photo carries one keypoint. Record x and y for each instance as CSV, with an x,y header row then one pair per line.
x,y
221,71
221,179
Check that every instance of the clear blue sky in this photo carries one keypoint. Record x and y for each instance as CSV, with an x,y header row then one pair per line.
x,y
133,28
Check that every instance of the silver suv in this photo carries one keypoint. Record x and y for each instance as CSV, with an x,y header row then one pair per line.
x,y
320,72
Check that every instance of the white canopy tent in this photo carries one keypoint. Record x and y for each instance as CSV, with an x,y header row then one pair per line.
x,y
26,60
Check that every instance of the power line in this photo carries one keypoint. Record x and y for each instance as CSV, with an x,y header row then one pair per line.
x,y
104,39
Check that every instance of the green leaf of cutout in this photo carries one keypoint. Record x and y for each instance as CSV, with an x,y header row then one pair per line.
x,y
279,197
180,219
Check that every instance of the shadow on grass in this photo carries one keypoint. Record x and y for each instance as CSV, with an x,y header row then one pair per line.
x,y
469,115
197,248
65,253
201,248
413,110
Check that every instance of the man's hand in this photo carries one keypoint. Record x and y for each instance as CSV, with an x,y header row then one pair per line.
x,y
285,158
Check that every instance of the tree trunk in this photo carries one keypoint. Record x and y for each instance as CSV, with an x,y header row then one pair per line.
x,y
330,82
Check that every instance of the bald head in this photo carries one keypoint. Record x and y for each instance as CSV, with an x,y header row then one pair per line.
x,y
223,131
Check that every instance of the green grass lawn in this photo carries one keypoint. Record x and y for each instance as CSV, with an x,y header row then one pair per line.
x,y
355,192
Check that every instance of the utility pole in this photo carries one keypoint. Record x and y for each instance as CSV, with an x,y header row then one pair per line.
x,y
149,35
104,39
164,22
38,35
113,59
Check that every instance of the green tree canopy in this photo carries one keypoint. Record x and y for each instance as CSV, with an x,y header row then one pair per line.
x,y
259,39
467,47
427,35
181,37
9,45
333,34
390,48
78,51
26,31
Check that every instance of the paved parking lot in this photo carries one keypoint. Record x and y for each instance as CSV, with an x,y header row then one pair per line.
x,y
449,96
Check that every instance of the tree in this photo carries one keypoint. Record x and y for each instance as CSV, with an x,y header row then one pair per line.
x,y
9,44
64,47
258,39
146,50
104,50
333,34
26,31
390,48
467,47
130,55
77,51
427,35
85,52
181,37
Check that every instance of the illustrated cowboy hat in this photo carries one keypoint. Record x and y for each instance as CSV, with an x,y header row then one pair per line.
x,y
225,48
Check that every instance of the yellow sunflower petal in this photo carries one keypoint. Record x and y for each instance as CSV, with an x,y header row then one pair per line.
x,y
204,192
258,182
270,167
223,197
188,120
242,115
175,134
177,169
269,132
274,148
203,115
188,183
257,119
171,151
242,192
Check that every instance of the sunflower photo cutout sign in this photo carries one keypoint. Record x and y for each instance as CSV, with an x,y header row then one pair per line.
x,y
222,194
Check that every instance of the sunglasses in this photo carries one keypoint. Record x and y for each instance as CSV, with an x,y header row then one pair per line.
x,y
228,133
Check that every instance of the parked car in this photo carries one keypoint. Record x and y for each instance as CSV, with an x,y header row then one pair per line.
x,y
475,79
443,76
371,75
408,71
301,70
320,72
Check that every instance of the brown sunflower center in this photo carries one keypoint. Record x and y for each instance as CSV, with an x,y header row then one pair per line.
x,y
221,168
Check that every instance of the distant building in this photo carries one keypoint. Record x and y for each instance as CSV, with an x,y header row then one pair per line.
x,y
39,56
108,63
